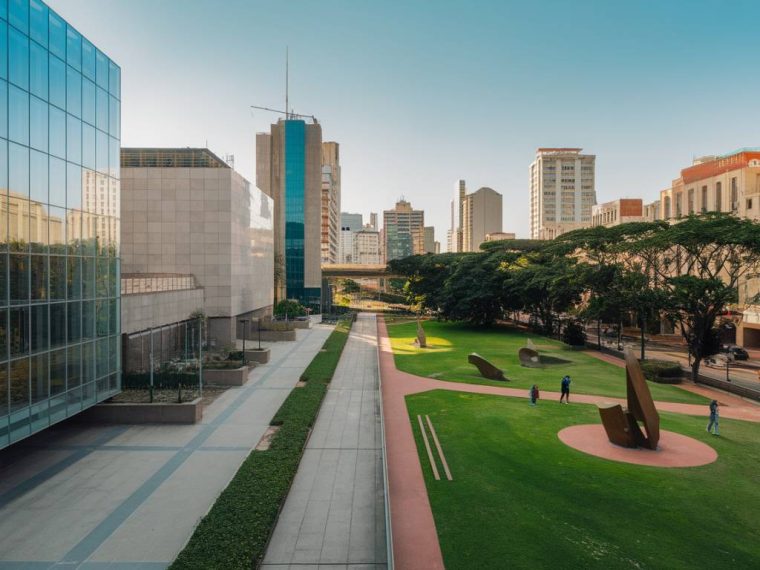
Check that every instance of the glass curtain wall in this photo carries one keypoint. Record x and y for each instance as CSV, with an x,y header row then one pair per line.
x,y
59,220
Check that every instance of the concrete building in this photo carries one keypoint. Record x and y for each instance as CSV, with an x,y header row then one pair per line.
x,y
616,212
373,221
289,170
404,232
429,239
353,222
59,228
497,236
481,215
454,234
366,250
330,228
186,212
349,223
562,191
437,247
651,211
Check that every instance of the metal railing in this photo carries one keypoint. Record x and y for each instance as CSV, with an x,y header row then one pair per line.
x,y
136,283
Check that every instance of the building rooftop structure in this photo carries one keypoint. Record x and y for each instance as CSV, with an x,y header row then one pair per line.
x,y
170,158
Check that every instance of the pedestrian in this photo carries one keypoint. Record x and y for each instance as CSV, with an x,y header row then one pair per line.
x,y
533,395
565,390
714,418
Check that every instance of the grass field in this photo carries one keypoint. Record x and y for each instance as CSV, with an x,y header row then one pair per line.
x,y
450,343
520,498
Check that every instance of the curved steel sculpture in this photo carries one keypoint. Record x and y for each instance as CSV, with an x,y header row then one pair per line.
x,y
622,426
529,357
486,369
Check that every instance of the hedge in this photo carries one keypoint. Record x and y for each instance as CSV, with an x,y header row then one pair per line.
x,y
235,532
662,371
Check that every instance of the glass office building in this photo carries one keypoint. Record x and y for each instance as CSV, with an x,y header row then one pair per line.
x,y
59,221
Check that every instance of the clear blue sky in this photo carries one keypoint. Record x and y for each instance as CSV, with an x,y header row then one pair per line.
x,y
420,94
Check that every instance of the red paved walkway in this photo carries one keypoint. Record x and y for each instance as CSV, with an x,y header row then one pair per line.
x,y
415,540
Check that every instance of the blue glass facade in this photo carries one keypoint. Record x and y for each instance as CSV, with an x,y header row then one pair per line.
x,y
295,192
59,221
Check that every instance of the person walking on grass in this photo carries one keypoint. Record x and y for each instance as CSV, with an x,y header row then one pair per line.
x,y
565,386
714,418
533,395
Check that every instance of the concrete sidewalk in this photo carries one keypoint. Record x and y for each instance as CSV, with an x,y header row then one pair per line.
x,y
96,497
335,513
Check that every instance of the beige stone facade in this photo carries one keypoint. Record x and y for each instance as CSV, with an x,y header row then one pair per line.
x,y
366,247
481,215
207,221
330,224
562,191
616,212
403,231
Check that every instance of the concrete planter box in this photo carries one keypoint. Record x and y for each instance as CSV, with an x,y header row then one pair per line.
x,y
258,356
156,413
301,324
275,336
226,377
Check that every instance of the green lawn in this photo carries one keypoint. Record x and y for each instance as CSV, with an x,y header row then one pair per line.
x,y
520,498
450,343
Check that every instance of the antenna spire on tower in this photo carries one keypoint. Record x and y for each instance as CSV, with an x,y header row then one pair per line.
x,y
287,108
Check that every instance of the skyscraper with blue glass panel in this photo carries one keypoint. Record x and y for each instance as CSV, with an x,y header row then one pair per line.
x,y
59,220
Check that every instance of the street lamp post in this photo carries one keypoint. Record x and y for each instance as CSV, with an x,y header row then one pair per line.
x,y
200,357
245,333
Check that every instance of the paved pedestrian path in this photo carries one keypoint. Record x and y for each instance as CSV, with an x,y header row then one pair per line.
x,y
334,515
129,497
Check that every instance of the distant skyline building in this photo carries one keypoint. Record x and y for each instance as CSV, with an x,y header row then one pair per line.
x,y
497,236
373,221
403,229
429,239
366,244
289,170
331,195
454,234
616,212
481,215
60,131
562,191
353,222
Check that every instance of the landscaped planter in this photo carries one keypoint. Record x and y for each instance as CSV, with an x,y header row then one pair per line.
x,y
275,336
260,356
156,413
302,324
226,376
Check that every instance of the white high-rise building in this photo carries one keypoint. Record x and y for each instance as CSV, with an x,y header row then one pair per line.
x,y
367,247
454,233
562,191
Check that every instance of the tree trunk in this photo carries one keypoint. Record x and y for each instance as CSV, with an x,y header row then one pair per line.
x,y
620,334
695,368
599,333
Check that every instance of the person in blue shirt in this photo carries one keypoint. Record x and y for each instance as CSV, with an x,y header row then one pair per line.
x,y
565,386
714,418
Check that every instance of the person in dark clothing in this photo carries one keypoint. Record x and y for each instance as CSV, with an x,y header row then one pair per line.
x,y
565,386
714,418
533,395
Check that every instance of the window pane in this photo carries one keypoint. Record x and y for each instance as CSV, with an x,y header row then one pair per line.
x,y
3,109
114,122
18,64
38,177
73,230
18,170
102,70
38,22
73,48
18,115
74,321
57,230
19,384
57,324
38,71
38,124
3,280
39,327
73,139
73,366
40,382
114,160
88,234
3,349
88,101
74,278
88,146
38,229
88,319
102,277
73,92
57,31
88,277
19,329
88,59
101,152
73,187
88,362
113,319
57,194
57,82
57,277
38,265
115,80
102,358
18,14
3,49
102,109
57,371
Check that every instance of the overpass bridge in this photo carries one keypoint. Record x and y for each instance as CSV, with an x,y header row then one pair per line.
x,y
356,271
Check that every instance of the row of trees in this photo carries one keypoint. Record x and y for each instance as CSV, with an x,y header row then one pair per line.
x,y
686,272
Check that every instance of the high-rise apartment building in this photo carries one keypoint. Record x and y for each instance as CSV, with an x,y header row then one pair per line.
x,y
349,224
562,191
404,232
366,244
330,229
289,169
454,234
373,221
429,239
481,215
60,101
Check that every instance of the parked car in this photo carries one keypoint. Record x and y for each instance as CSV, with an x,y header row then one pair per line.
x,y
736,351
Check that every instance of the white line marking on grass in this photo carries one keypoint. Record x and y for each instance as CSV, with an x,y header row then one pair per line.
x,y
438,447
429,451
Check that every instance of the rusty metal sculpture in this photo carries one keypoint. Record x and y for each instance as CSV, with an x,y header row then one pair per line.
x,y
528,355
421,338
486,369
622,426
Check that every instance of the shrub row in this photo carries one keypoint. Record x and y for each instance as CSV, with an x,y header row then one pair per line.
x,y
662,371
235,532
